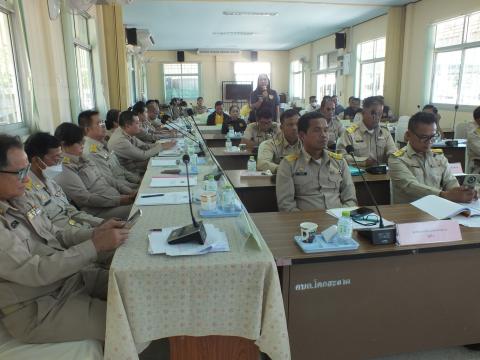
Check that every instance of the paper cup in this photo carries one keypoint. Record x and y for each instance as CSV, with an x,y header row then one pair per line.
x,y
308,230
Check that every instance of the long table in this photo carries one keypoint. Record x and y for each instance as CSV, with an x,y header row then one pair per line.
x,y
376,300
218,140
232,160
258,194
234,294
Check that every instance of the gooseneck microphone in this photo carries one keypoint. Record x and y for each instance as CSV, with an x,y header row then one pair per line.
x,y
195,232
189,136
454,119
383,234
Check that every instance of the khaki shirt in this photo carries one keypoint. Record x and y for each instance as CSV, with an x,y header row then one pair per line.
x,y
272,151
132,153
473,148
252,133
414,175
84,184
37,262
50,196
304,184
367,145
108,163
335,129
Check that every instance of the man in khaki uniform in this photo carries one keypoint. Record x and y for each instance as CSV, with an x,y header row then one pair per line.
x,y
272,151
314,178
334,126
417,170
372,143
473,143
44,152
261,130
50,288
95,149
133,153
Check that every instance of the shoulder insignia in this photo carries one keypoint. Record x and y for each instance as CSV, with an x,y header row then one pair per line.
x,y
351,129
335,155
93,148
399,152
437,151
291,157
478,131
66,160
29,185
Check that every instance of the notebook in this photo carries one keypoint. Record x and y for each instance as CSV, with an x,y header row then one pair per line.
x,y
441,208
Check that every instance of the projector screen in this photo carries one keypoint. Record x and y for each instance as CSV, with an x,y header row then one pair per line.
x,y
237,91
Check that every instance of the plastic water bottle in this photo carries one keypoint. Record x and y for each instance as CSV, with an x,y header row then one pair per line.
x,y
251,165
344,227
212,184
231,132
228,144
228,198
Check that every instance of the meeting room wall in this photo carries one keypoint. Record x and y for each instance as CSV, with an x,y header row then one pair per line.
x,y
213,70
418,55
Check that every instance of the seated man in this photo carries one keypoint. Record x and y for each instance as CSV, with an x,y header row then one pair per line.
x,y
95,149
261,130
473,143
238,124
429,108
51,289
218,117
338,107
335,126
45,155
372,143
199,108
132,153
314,178
273,150
352,109
417,170
312,104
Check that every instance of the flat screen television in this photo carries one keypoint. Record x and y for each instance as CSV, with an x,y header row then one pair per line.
x,y
238,91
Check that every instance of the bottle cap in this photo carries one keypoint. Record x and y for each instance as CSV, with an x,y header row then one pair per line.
x,y
252,158
210,177
346,213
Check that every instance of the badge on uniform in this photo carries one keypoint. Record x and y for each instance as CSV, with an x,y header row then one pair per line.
x,y
300,172
359,141
14,224
33,212
72,222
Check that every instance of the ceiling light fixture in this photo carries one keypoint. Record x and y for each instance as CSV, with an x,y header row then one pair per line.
x,y
234,33
249,13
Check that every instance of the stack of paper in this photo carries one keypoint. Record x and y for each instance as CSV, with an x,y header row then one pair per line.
x,y
171,198
166,161
255,174
441,208
337,213
170,152
171,181
216,242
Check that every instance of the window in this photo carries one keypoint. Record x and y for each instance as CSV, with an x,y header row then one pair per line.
x,y
181,81
9,88
296,80
249,71
371,68
131,64
456,69
326,75
83,62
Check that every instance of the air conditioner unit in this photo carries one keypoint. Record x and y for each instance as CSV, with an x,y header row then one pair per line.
x,y
218,52
344,64
144,39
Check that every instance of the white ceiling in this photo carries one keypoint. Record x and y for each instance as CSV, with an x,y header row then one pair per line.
x,y
190,24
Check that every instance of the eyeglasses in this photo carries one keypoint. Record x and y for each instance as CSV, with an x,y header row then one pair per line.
x,y
21,174
366,220
426,138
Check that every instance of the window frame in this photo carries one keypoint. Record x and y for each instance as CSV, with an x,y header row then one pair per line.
x,y
21,127
463,47
328,70
198,74
269,74
302,76
374,60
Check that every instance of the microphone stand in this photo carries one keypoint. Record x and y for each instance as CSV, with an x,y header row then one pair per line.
x,y
454,119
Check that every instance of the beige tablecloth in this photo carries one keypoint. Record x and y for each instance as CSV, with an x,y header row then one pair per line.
x,y
236,293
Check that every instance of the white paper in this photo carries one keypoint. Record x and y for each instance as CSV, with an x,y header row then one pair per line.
x,y
441,208
216,241
172,181
337,213
164,162
169,152
170,198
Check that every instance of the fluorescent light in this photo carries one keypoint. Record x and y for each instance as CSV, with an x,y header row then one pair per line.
x,y
249,13
234,33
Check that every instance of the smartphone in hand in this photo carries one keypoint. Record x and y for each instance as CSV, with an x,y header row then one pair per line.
x,y
133,219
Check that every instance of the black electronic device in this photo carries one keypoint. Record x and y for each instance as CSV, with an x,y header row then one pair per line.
x,y
195,232
180,56
238,91
340,40
377,169
383,234
361,211
451,143
131,36
133,219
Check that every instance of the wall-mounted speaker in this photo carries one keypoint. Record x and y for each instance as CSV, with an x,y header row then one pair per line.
x,y
180,56
340,40
254,55
131,36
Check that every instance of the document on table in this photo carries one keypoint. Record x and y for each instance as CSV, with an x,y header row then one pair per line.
x,y
172,161
216,241
170,198
172,181
337,213
441,208
170,153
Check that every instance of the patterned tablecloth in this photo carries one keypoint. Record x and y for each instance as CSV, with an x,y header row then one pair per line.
x,y
235,293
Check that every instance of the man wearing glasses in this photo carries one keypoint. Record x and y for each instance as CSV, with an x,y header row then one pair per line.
x,y
417,170
335,127
51,290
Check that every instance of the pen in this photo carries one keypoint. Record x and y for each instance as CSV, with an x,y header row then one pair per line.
x,y
152,195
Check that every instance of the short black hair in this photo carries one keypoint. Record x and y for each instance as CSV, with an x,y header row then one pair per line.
x,y
199,98
233,106
111,118
39,144
126,118
69,133
85,118
219,102
8,142
325,100
312,97
421,117
264,114
372,101
139,107
476,113
288,114
151,101
430,107
305,119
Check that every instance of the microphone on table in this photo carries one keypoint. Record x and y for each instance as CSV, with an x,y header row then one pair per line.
x,y
187,135
455,118
383,234
195,232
